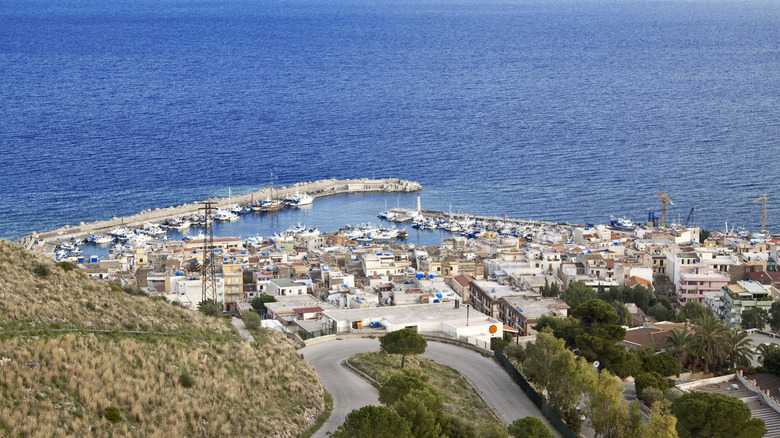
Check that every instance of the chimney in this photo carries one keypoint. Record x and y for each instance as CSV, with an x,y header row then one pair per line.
x,y
687,324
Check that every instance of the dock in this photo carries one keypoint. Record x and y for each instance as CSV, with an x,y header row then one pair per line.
x,y
320,189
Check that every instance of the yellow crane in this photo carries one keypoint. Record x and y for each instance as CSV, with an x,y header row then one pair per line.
x,y
664,199
763,217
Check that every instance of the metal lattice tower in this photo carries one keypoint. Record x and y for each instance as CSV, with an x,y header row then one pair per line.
x,y
208,268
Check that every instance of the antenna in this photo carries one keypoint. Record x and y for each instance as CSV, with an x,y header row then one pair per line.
x,y
208,268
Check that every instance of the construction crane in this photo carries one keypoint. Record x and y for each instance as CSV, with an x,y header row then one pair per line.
x,y
689,218
664,199
763,217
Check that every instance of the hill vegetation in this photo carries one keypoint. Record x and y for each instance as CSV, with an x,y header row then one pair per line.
x,y
73,363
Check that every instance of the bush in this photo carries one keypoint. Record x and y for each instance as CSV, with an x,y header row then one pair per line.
x,y
112,414
210,308
650,380
41,270
66,266
132,290
529,427
663,363
516,352
252,320
186,380
650,395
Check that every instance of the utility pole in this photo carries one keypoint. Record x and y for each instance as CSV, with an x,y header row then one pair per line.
x,y
208,268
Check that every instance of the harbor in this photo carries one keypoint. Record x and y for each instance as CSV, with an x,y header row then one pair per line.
x,y
318,189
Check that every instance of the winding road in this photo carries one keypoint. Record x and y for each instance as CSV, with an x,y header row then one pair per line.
x,y
352,392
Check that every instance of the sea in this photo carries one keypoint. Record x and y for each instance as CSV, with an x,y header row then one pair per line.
x,y
562,110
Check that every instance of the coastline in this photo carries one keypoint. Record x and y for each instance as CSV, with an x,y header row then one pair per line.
x,y
321,188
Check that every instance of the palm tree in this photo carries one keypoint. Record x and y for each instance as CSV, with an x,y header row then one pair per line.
x,y
681,345
738,348
711,340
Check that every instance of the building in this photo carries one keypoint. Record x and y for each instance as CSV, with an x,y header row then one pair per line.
x,y
442,319
285,287
742,296
694,281
523,312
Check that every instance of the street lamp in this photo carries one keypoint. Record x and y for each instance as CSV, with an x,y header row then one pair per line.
x,y
467,314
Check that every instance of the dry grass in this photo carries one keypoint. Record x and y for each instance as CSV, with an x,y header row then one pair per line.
x,y
70,299
460,398
59,383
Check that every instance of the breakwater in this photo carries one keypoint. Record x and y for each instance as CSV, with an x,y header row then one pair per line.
x,y
319,189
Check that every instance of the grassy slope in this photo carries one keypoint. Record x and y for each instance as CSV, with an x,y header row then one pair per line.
x,y
58,383
460,398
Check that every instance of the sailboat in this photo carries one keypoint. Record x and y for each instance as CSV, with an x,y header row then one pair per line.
x,y
272,205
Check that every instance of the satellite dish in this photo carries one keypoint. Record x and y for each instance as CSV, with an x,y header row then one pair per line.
x,y
596,364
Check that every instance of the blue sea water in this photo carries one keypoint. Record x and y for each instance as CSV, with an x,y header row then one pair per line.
x,y
562,111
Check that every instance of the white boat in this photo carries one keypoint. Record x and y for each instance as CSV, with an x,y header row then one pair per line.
x,y
100,240
384,234
300,199
225,216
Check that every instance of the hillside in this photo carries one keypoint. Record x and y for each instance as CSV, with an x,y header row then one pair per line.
x,y
66,355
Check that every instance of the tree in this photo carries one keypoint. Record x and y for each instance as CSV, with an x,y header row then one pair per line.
x,y
770,358
738,350
710,339
662,423
529,427
577,293
608,415
403,342
373,421
555,290
252,320
558,375
259,303
755,318
662,363
682,344
210,308
650,380
423,410
624,316
692,310
774,316
597,336
459,428
398,386
704,235
192,266
701,414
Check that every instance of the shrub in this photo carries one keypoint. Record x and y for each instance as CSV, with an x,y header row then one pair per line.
x,y
251,320
66,266
42,270
186,380
210,308
650,380
529,427
650,395
112,414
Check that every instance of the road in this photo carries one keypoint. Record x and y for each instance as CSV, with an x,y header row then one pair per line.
x,y
352,392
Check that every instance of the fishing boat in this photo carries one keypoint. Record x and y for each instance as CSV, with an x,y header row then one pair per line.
x,y
621,223
300,199
225,216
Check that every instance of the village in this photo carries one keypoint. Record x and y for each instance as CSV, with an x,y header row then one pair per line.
x,y
476,287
